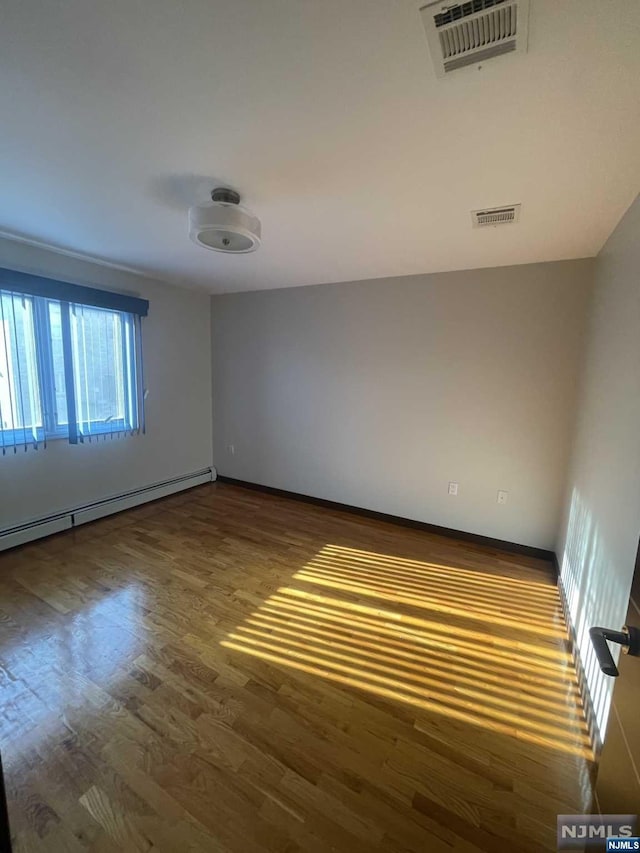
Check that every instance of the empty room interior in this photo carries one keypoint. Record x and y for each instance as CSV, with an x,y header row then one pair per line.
x,y
319,426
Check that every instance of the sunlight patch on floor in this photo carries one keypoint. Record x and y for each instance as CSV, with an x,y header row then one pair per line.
x,y
478,648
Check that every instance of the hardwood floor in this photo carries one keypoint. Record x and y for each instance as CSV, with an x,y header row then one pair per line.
x,y
230,671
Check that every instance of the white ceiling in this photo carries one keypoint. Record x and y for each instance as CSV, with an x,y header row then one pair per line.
x,y
327,117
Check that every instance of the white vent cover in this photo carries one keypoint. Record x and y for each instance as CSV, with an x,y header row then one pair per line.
x,y
465,34
492,216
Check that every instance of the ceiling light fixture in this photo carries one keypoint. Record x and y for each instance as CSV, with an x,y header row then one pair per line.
x,y
224,225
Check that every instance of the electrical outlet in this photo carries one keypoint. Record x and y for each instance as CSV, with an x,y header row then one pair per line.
x,y
453,488
502,497
232,449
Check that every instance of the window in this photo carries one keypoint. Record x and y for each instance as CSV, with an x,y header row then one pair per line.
x,y
20,402
67,369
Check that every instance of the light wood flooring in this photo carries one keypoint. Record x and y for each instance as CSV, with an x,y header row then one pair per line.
x,y
231,671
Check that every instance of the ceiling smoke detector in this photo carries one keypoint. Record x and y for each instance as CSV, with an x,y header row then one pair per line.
x,y
224,225
470,33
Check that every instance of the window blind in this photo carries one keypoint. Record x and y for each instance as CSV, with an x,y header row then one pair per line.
x,y
35,285
69,368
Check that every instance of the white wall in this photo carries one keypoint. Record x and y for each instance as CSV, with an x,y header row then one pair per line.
x,y
177,359
378,393
599,537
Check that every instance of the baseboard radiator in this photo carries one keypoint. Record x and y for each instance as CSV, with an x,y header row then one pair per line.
x,y
36,529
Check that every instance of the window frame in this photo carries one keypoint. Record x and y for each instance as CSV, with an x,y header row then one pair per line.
x,y
130,422
17,436
52,428
44,350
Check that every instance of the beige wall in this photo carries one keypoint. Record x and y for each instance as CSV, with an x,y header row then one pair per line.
x,y
378,393
599,536
177,348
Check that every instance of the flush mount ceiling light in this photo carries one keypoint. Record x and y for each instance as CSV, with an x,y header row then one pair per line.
x,y
224,225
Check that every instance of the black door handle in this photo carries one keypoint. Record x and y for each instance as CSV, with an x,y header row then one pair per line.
x,y
628,638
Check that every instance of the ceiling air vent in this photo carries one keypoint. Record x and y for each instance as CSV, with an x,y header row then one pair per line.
x,y
492,216
466,34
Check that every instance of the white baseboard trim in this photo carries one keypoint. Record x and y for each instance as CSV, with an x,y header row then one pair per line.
x,y
36,529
